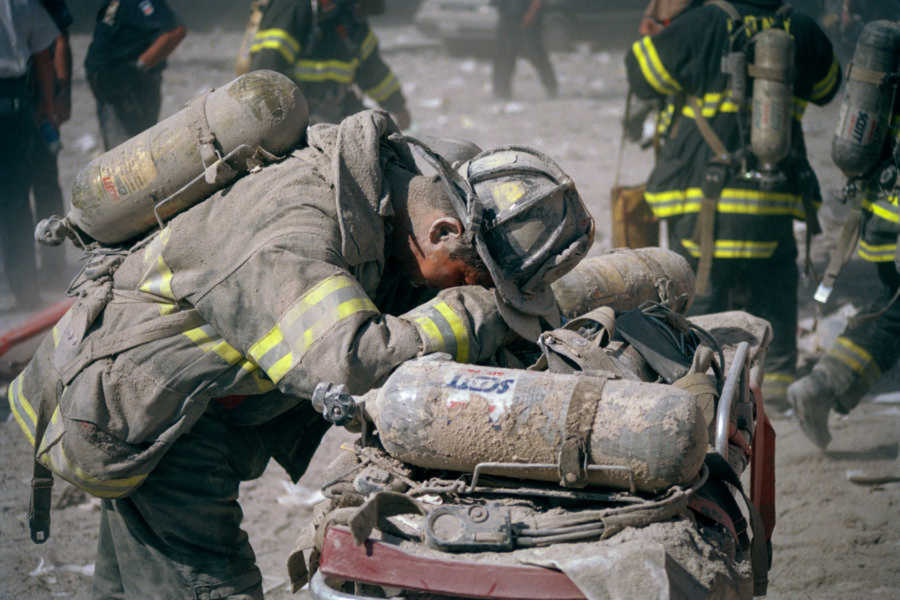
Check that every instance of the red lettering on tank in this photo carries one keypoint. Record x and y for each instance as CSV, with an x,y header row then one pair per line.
x,y
110,186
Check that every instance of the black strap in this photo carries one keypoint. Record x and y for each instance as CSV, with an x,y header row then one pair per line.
x,y
39,503
760,558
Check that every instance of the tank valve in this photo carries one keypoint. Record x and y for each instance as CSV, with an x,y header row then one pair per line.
x,y
51,231
336,405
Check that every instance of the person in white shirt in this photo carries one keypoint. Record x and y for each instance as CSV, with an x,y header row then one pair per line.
x,y
26,34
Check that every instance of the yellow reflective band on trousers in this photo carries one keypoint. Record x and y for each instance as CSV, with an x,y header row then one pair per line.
x,y
442,330
385,89
855,357
652,68
22,411
368,46
826,85
51,453
54,457
720,102
886,209
877,252
325,70
316,313
733,201
734,249
775,385
278,40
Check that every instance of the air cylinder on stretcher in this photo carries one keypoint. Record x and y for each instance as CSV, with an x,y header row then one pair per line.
x,y
624,279
443,415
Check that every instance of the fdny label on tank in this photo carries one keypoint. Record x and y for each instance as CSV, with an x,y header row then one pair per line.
x,y
494,387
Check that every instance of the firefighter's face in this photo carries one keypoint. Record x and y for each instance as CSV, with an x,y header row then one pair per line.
x,y
437,259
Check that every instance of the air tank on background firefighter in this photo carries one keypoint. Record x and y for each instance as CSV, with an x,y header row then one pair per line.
x,y
773,96
868,96
624,279
256,116
444,415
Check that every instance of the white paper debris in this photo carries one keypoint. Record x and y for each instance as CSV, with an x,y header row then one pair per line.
x,y
299,495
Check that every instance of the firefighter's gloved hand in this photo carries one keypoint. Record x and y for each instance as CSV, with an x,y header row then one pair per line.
x,y
462,321
638,112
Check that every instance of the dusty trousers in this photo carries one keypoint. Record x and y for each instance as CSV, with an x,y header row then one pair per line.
x,y
178,536
765,288
869,346
128,101
16,222
513,41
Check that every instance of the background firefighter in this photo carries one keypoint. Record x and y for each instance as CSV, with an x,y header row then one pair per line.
x,y
234,337
870,345
752,248
124,64
328,48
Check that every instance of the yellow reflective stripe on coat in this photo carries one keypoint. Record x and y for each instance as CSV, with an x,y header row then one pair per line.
x,y
383,90
441,330
886,209
826,85
325,70
652,68
276,39
22,410
720,102
734,249
877,252
368,46
317,312
733,201
854,356
157,277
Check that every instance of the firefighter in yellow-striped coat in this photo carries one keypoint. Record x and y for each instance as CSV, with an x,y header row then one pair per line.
x,y
328,48
749,247
871,345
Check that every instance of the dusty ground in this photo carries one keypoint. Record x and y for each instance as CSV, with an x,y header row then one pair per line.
x,y
834,539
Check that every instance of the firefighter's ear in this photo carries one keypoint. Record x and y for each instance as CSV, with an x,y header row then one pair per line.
x,y
444,229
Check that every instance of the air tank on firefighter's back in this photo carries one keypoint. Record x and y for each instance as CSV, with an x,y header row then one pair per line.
x,y
773,96
443,415
113,197
868,96
624,279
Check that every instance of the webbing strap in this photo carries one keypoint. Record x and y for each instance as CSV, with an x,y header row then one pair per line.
x,y
41,478
39,500
706,234
216,170
844,249
706,222
709,135
575,452
115,343
864,75
728,7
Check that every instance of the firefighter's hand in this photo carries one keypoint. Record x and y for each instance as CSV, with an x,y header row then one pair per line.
x,y
402,118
